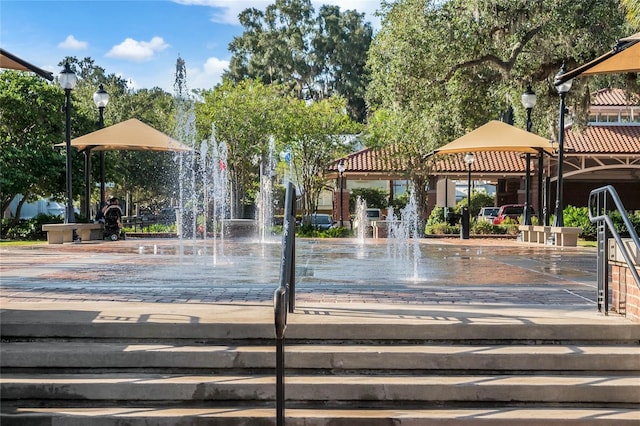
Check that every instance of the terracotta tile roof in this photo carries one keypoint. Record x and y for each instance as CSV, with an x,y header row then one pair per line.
x,y
485,162
370,160
382,161
612,97
605,139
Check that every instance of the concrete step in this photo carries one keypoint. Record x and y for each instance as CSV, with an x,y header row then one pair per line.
x,y
309,325
310,389
97,355
124,364
144,415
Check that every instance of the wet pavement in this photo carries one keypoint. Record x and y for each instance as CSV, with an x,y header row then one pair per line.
x,y
328,271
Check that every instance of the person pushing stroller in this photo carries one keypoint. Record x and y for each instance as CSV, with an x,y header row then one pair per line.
x,y
113,220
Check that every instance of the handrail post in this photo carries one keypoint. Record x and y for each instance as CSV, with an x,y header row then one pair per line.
x,y
292,242
284,296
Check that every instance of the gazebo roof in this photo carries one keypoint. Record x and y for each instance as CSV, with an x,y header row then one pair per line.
x,y
128,135
12,62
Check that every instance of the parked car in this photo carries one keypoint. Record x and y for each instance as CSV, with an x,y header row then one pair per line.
x,y
319,221
513,211
488,213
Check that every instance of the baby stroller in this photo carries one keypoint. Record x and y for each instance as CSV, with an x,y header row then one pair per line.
x,y
112,217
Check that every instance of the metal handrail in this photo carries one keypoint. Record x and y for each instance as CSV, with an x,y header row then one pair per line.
x,y
598,201
284,295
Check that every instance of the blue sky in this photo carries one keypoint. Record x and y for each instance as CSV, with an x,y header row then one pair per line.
x,y
139,40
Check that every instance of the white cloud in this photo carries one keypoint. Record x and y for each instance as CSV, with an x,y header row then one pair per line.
x,y
209,75
215,66
72,43
138,51
227,11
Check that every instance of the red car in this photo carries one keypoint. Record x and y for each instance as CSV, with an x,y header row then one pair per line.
x,y
513,211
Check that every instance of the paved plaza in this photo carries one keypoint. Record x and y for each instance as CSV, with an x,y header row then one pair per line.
x,y
339,271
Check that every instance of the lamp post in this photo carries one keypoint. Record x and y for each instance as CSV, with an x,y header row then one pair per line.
x,y
466,219
529,101
101,99
341,169
562,88
68,81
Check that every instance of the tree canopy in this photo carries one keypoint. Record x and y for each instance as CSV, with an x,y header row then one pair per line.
x,y
30,124
244,116
319,56
247,114
440,69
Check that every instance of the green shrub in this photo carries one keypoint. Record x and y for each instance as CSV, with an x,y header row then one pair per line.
x,y
28,229
579,217
621,228
339,232
153,228
509,227
436,216
310,231
483,227
441,228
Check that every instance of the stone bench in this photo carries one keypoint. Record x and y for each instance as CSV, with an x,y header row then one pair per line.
x,y
58,233
562,236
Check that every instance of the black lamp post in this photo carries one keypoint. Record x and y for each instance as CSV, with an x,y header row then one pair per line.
x,y
68,81
562,88
466,213
528,101
101,99
341,169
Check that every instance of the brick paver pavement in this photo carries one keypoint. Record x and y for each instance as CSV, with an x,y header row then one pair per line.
x,y
449,271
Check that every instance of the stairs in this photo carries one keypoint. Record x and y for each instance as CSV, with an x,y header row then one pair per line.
x,y
338,373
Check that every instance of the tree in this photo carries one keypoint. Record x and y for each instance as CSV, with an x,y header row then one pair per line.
x,y
244,116
440,69
318,56
30,124
316,133
633,13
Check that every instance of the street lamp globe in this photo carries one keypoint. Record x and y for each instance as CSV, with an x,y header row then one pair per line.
x,y
101,97
341,167
562,86
529,98
67,78
469,158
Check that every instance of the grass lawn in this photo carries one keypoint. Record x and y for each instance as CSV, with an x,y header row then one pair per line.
x,y
5,243
584,243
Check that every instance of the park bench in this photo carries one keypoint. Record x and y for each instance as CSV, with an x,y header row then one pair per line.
x,y
58,233
562,236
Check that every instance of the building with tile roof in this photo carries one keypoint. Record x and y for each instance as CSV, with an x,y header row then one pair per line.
x,y
606,152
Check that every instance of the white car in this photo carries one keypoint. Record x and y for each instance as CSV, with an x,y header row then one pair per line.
x,y
488,213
